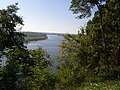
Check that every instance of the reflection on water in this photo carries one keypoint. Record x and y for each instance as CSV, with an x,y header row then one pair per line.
x,y
51,45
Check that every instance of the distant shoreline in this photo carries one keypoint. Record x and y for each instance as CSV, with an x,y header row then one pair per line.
x,y
35,39
34,36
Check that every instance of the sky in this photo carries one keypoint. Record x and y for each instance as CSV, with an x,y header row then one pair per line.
x,y
47,15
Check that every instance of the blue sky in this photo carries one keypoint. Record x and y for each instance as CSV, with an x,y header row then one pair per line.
x,y
46,15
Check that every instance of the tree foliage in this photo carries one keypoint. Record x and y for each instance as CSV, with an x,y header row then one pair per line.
x,y
25,69
95,50
9,21
84,7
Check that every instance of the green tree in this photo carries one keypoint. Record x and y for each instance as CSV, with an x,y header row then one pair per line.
x,y
106,10
10,37
27,70
39,75
24,69
109,26
95,50
74,61
13,71
9,21
84,7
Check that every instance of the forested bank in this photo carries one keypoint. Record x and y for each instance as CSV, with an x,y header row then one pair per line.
x,y
34,36
88,60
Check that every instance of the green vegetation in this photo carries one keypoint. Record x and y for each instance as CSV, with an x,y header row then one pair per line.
x,y
24,69
33,36
106,85
89,60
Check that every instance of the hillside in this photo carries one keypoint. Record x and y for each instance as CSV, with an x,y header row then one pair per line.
x,y
33,36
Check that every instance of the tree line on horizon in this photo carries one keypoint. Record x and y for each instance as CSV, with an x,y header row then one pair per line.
x,y
92,57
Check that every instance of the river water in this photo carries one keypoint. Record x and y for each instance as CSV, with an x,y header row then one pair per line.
x,y
51,45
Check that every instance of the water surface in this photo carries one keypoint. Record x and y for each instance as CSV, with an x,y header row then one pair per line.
x,y
51,45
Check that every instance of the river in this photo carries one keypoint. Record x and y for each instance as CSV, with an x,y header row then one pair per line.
x,y
51,45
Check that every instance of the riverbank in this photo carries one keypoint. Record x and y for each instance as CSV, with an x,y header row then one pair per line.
x,y
34,36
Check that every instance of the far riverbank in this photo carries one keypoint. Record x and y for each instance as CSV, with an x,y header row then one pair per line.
x,y
34,36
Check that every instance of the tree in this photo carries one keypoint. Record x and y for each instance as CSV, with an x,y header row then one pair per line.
x,y
111,26
39,75
106,8
12,74
25,69
9,21
90,53
74,60
84,7
9,36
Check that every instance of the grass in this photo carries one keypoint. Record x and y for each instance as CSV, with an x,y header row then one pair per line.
x,y
107,85
99,83
96,83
